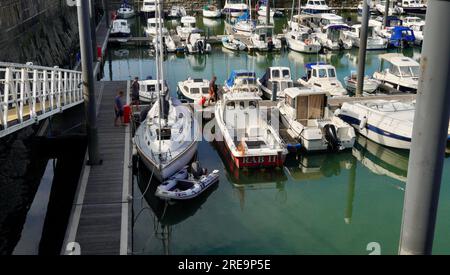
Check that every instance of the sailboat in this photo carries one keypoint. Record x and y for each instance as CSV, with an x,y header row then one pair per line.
x,y
166,140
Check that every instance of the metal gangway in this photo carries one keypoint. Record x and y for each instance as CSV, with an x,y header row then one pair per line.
x,y
29,94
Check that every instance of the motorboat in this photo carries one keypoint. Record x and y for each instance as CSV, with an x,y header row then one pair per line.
x,y
369,87
374,41
120,28
316,7
211,11
399,72
196,43
388,123
244,24
323,76
417,24
396,34
304,22
193,89
242,81
303,42
231,43
234,8
188,26
245,134
184,186
177,12
305,114
380,8
148,8
372,8
263,39
125,11
333,37
148,92
324,19
411,7
275,78
261,9
418,34
153,27
169,44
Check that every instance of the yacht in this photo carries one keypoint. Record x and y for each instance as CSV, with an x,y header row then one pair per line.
x,y
333,38
196,43
263,39
323,77
244,25
316,7
234,8
242,81
148,92
211,11
193,89
275,78
188,26
120,28
411,7
307,119
399,72
245,135
374,41
152,27
303,42
148,8
125,11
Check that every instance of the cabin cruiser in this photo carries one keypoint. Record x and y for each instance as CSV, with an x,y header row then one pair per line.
x,y
244,24
374,41
193,89
231,43
380,7
388,123
148,8
399,72
333,37
369,87
196,43
326,19
303,42
316,7
417,25
307,119
148,90
242,81
153,27
234,8
125,11
261,9
211,11
397,34
275,78
304,22
323,76
263,39
188,25
177,12
411,6
120,28
247,136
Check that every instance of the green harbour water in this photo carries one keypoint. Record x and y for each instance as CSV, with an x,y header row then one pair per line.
x,y
325,203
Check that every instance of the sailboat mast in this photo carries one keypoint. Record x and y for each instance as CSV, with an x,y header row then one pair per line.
x,y
299,6
159,79
292,15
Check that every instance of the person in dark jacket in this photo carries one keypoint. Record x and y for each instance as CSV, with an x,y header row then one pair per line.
x,y
135,92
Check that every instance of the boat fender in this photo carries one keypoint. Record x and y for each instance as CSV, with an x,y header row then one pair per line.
x,y
363,123
331,137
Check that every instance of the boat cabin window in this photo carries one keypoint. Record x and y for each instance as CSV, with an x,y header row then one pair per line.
x,y
241,105
314,73
230,106
322,3
394,70
195,91
205,90
304,36
331,73
407,33
322,73
262,37
286,74
165,133
275,74
252,104
409,71
152,88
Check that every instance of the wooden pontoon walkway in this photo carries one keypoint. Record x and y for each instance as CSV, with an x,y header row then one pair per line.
x,y
99,221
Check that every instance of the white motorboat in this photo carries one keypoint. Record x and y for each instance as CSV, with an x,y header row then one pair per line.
x,y
369,87
244,27
263,39
152,27
148,92
148,8
184,186
177,12
316,7
188,26
244,133
411,7
196,43
304,22
303,42
323,76
399,72
211,11
374,41
231,43
242,81
307,119
169,44
324,19
388,123
380,7
234,8
275,78
333,37
417,24
193,89
120,28
125,11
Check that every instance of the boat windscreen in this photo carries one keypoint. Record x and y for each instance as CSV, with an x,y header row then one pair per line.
x,y
409,71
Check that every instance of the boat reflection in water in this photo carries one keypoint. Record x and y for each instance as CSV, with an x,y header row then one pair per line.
x,y
197,62
166,213
382,160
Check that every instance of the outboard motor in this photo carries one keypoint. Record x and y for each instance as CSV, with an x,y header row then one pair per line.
x,y
270,45
196,170
200,46
331,137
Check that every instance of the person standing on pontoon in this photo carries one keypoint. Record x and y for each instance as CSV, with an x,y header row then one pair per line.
x,y
135,92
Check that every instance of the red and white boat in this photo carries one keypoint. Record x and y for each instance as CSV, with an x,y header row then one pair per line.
x,y
244,133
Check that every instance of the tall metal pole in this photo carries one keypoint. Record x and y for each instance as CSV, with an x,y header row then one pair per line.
x,y
362,48
386,13
429,134
106,11
93,29
88,80
268,13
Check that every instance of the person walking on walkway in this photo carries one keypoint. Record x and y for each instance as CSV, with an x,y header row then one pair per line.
x,y
118,108
135,92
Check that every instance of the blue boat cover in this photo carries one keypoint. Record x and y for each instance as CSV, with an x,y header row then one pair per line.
x,y
239,73
309,65
397,34
245,16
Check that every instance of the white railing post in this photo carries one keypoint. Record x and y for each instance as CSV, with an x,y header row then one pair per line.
x,y
11,90
44,91
52,90
59,93
34,94
66,88
20,99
